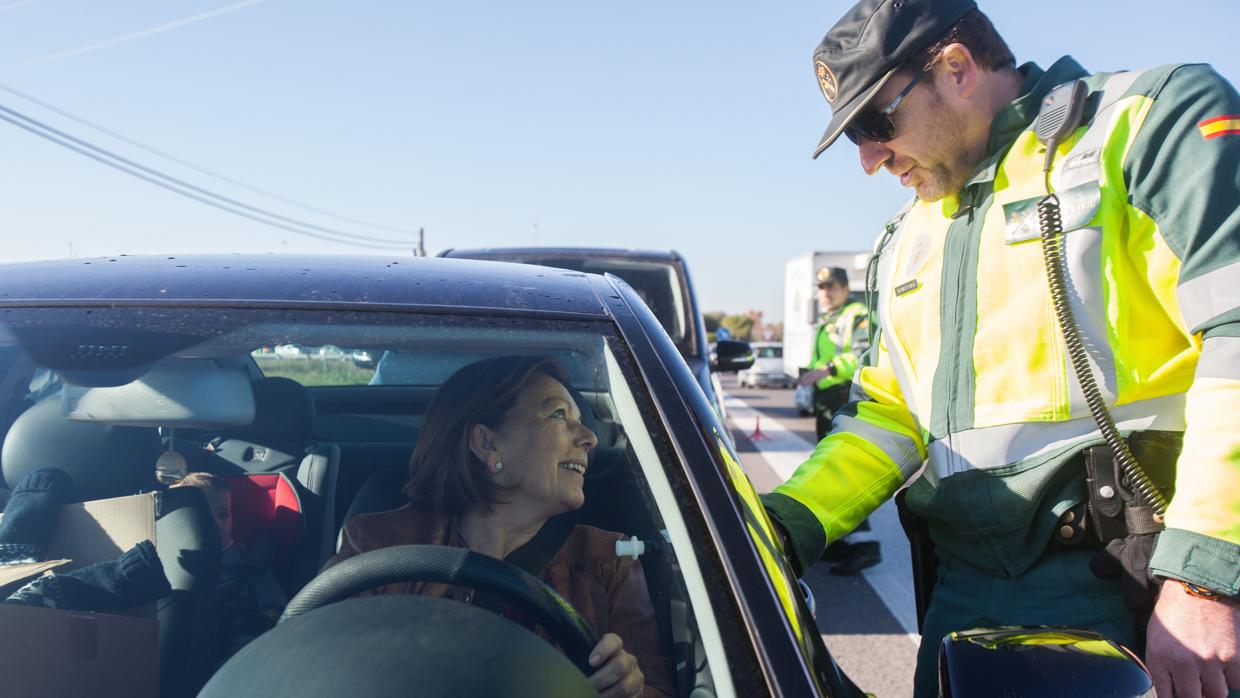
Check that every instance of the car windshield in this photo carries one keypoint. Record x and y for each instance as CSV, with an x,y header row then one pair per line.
x,y
248,392
769,352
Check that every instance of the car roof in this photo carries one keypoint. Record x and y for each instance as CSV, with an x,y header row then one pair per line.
x,y
372,282
563,252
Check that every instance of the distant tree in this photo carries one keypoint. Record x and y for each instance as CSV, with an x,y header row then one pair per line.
x,y
712,321
740,326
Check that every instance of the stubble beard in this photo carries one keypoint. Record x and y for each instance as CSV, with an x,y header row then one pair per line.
x,y
957,157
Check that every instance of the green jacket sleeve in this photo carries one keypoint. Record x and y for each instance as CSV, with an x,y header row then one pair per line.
x,y
1183,172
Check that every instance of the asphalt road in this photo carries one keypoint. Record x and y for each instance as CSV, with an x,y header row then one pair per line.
x,y
867,621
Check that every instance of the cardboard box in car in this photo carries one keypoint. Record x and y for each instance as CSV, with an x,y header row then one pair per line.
x,y
53,652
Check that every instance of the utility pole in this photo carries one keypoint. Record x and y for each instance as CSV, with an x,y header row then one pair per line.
x,y
421,250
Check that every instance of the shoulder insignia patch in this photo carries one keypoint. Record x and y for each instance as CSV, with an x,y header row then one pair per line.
x,y
1224,125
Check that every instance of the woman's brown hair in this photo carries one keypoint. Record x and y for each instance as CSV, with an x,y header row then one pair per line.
x,y
444,474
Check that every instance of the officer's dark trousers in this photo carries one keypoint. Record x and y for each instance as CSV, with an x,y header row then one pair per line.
x,y
1058,590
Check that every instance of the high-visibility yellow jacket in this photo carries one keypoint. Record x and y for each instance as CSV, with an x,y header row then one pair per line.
x,y
970,378
843,335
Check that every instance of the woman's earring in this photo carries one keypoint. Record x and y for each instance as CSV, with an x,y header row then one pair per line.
x,y
498,466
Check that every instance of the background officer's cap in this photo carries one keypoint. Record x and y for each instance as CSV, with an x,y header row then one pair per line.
x,y
828,274
865,48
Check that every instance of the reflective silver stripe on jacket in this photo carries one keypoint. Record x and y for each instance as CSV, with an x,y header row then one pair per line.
x,y
1206,297
1220,358
899,448
993,447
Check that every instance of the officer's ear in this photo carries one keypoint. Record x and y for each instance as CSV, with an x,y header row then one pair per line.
x,y
956,72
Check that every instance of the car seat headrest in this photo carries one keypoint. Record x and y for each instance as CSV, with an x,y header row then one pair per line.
x,y
283,412
104,460
265,503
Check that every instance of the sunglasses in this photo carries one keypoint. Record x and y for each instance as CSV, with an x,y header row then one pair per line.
x,y
877,126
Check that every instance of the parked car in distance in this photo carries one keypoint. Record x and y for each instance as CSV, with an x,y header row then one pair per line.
x,y
290,351
329,352
660,278
767,369
362,358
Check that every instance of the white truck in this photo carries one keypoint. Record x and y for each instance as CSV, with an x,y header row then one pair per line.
x,y
801,311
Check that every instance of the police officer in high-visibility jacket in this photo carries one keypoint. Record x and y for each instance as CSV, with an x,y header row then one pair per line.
x,y
973,374
843,336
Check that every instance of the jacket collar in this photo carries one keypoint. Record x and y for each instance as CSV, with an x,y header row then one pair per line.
x,y
1019,114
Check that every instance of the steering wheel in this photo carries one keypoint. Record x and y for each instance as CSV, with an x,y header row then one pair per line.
x,y
456,566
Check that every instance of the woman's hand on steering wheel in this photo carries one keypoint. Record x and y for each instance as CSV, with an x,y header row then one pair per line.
x,y
616,673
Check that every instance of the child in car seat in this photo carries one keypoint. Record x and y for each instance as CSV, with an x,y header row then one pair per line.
x,y
248,598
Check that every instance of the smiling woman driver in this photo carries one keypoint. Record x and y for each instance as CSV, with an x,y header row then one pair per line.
x,y
502,451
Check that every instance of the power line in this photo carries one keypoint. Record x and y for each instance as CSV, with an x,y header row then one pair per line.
x,y
175,24
170,183
198,189
198,168
190,190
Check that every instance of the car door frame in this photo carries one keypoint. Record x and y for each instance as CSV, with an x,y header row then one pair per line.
x,y
681,413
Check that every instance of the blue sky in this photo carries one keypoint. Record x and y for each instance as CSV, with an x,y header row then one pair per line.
x,y
638,124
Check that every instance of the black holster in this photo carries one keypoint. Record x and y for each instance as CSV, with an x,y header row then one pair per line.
x,y
1118,524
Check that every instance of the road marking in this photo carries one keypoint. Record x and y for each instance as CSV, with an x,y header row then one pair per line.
x,y
891,579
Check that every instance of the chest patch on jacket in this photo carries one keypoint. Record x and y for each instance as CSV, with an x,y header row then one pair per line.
x,y
1077,206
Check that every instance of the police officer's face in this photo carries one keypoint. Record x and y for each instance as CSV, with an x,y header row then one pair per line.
x,y
936,145
832,295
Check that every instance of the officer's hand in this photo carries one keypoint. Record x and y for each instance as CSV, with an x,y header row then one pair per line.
x,y
1192,643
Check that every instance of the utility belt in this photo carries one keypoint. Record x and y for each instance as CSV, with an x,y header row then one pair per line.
x,y
1111,509
1110,515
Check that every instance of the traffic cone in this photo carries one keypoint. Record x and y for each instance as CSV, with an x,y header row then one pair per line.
x,y
757,434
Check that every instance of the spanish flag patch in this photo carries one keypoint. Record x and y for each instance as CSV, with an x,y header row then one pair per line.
x,y
1225,125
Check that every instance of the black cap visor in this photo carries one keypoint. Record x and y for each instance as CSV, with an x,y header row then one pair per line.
x,y
844,116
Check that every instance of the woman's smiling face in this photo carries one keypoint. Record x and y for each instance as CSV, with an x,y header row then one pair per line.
x,y
543,447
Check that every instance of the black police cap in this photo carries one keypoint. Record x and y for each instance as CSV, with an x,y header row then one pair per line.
x,y
826,275
865,48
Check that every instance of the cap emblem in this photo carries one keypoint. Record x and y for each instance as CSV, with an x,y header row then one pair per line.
x,y
826,80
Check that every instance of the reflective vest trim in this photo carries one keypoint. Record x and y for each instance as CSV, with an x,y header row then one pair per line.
x,y
900,449
993,447
1210,295
1220,358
